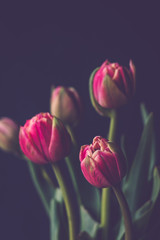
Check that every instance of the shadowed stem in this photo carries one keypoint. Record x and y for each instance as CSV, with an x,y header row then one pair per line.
x,y
105,202
34,176
125,212
41,168
67,200
74,180
71,162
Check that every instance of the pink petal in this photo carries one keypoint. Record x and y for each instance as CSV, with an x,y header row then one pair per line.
x,y
60,141
29,149
92,174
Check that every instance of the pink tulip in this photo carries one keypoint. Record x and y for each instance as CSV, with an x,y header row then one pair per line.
x,y
66,105
9,135
102,163
113,85
44,139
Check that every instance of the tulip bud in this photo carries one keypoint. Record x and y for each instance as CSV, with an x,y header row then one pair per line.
x,y
111,86
9,135
44,139
66,105
103,163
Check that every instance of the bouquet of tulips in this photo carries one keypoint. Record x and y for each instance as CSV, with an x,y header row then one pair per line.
x,y
120,196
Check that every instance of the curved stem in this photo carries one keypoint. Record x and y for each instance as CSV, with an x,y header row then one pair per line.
x,y
113,126
74,180
125,212
67,200
33,172
105,202
71,163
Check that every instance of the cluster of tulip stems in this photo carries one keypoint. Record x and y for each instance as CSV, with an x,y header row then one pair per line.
x,y
47,141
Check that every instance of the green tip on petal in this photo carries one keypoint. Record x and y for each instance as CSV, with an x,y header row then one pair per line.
x,y
55,122
101,110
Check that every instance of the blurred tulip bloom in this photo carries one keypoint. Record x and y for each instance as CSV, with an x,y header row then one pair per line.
x,y
103,163
113,85
9,135
66,105
44,139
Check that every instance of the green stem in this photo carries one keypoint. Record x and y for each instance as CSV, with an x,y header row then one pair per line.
x,y
105,202
67,200
125,212
74,180
71,163
113,126
34,176
105,212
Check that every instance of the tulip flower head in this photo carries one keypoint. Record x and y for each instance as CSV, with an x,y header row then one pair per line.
x,y
112,85
44,139
66,105
9,135
102,163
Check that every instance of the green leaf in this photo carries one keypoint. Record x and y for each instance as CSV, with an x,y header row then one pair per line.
x,y
142,167
72,170
44,189
88,224
143,214
54,220
120,235
56,216
90,198
138,180
144,113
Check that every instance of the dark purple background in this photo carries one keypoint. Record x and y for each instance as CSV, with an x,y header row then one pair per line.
x,y
61,44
